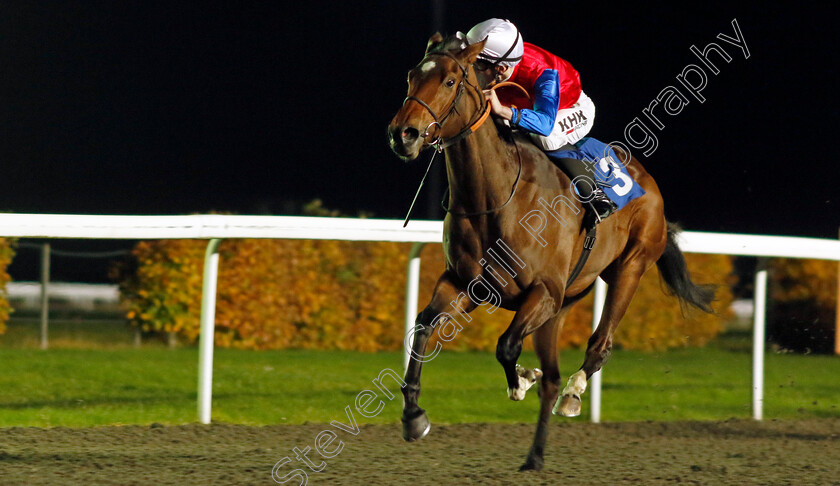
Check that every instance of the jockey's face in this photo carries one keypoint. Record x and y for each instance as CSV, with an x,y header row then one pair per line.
x,y
487,73
484,72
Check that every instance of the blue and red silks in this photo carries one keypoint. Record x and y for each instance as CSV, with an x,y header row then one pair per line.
x,y
606,168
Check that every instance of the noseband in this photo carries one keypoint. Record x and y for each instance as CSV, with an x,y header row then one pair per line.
x,y
439,144
481,115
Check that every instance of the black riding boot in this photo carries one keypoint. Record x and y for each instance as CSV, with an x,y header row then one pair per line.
x,y
592,197
602,204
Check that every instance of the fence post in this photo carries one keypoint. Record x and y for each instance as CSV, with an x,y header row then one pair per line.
x,y
412,285
45,296
208,327
759,304
595,389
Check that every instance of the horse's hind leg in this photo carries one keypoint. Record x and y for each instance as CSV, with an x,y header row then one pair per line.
x,y
623,279
446,296
545,344
538,306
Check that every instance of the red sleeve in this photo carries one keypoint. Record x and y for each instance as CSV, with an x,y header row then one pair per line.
x,y
569,84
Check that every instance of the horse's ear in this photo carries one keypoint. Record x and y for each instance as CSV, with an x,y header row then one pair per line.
x,y
470,54
434,41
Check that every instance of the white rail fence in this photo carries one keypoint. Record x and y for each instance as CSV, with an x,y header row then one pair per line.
x,y
218,227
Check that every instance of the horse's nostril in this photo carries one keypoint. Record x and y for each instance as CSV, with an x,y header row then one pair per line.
x,y
410,134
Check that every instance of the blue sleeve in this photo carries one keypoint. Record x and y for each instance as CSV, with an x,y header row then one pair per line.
x,y
540,119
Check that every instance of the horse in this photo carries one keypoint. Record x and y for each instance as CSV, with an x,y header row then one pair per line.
x,y
496,179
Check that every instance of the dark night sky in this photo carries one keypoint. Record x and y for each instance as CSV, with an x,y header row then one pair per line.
x,y
155,108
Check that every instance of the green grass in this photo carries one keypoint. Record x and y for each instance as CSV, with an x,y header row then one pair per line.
x,y
74,387
106,332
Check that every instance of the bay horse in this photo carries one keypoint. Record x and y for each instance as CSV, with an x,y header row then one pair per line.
x,y
494,182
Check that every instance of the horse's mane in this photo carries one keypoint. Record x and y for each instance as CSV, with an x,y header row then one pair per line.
x,y
507,133
510,135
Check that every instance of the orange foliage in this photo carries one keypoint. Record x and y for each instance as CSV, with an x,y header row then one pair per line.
x,y
7,252
323,294
275,294
795,279
165,292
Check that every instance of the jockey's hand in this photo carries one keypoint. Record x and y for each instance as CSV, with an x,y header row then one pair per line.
x,y
496,106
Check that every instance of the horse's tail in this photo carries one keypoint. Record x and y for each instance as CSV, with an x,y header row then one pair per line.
x,y
674,271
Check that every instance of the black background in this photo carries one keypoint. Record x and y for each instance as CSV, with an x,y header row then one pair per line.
x,y
254,108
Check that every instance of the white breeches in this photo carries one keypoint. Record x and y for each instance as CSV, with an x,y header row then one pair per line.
x,y
570,126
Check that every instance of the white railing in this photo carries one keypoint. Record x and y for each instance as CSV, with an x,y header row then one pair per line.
x,y
207,226
217,227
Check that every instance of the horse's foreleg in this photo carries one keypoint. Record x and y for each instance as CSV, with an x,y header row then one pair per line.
x,y
538,306
545,344
623,282
447,299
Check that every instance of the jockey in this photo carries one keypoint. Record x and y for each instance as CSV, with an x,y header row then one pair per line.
x,y
560,114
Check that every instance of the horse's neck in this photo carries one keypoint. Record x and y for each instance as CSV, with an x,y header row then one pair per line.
x,y
479,171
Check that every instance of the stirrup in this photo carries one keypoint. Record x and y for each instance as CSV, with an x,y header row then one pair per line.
x,y
602,206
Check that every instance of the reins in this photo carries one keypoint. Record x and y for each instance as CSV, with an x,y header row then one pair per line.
x,y
439,144
591,234
493,210
494,87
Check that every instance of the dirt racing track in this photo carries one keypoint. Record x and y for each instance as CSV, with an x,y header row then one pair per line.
x,y
731,452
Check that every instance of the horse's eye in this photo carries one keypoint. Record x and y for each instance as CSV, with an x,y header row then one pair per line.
x,y
450,83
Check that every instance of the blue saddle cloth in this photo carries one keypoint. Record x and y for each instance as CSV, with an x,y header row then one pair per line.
x,y
606,169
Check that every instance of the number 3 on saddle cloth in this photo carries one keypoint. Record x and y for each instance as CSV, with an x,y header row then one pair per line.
x,y
606,168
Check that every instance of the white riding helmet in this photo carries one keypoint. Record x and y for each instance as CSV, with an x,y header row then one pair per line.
x,y
504,42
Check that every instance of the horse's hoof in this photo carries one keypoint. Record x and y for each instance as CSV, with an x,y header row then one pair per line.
x,y
416,427
569,406
517,394
532,464
527,379
531,376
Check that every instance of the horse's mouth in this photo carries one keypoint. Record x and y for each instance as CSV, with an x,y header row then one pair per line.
x,y
407,154
405,143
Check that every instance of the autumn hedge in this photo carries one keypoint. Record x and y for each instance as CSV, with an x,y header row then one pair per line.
x,y
7,252
321,294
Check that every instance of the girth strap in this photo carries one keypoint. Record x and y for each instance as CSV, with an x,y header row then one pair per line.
x,y
588,244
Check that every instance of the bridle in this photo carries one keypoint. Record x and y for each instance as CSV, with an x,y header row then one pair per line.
x,y
439,144
478,118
